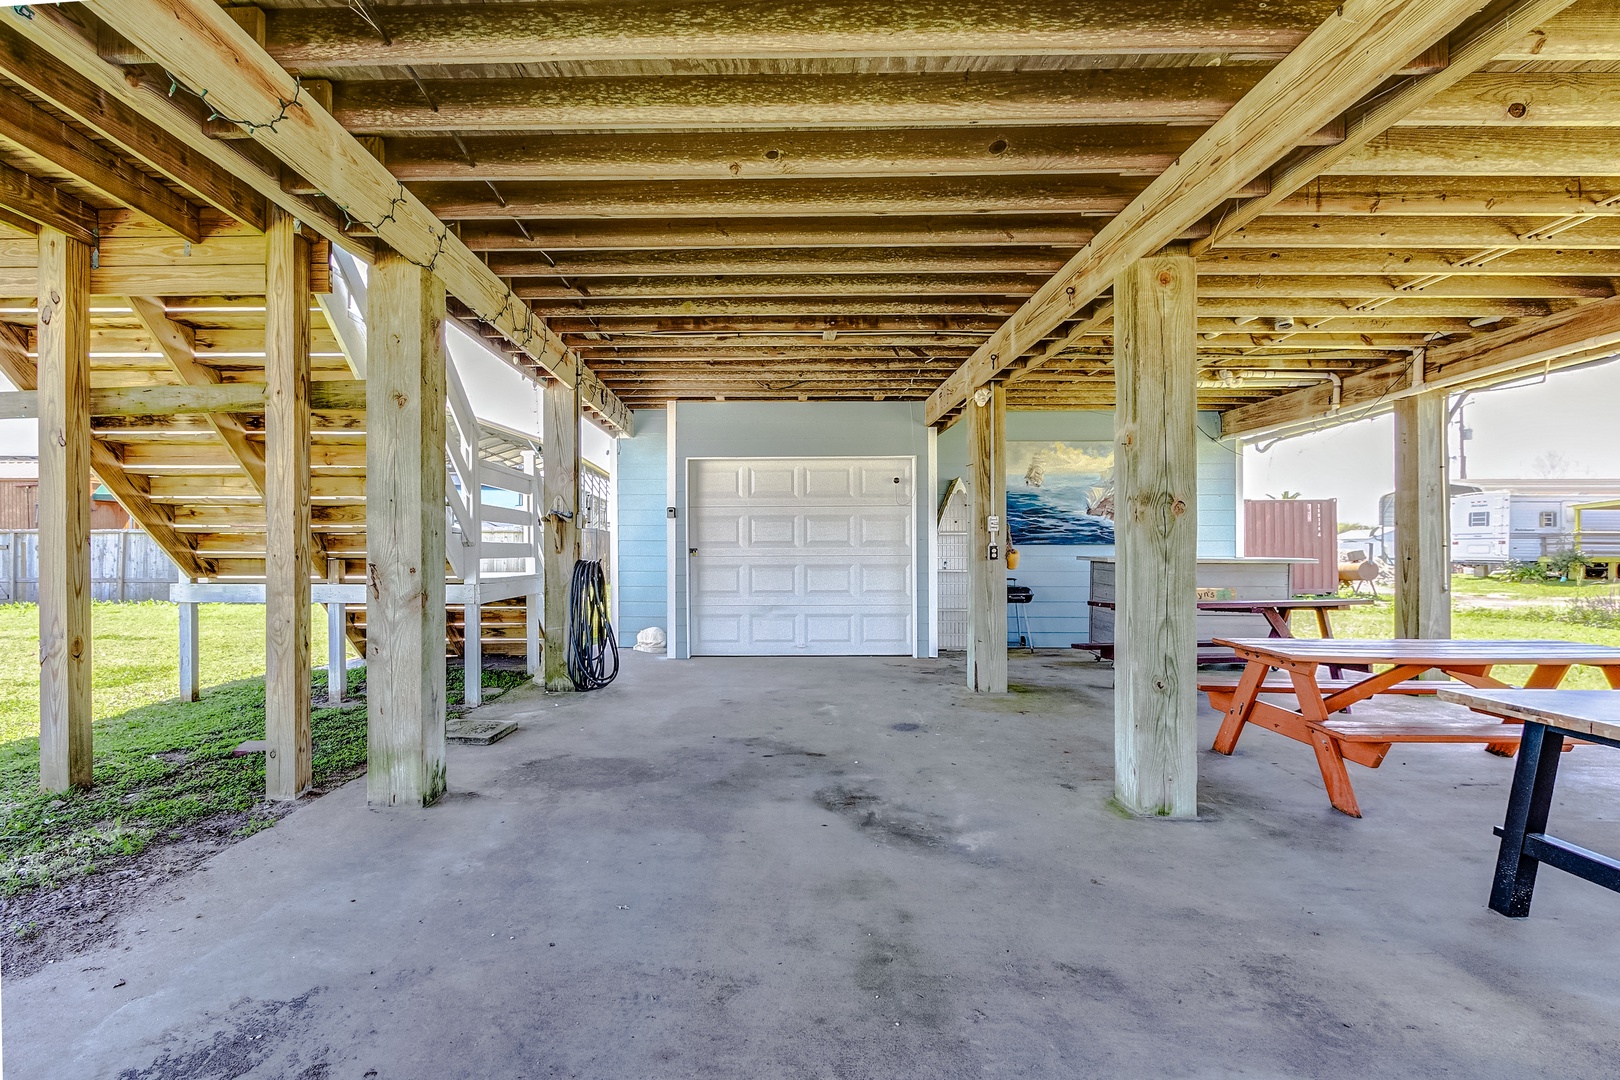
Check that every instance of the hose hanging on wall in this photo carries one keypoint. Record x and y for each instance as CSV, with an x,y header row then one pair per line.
x,y
590,634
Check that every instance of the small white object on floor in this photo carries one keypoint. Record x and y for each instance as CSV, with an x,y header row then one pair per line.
x,y
650,640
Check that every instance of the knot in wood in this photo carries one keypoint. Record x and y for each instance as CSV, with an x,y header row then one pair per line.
x,y
1164,277
1517,110
46,311
1178,507
400,400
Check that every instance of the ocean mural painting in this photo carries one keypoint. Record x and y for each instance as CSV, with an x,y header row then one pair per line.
x,y
1060,492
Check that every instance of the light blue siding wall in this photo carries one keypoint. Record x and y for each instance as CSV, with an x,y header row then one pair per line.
x,y
640,577
741,429
1059,574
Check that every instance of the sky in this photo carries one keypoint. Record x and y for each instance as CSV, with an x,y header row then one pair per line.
x,y
1568,421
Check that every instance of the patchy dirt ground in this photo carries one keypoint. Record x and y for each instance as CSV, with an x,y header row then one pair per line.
x,y
52,926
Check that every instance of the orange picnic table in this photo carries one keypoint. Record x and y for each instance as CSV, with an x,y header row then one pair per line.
x,y
1336,738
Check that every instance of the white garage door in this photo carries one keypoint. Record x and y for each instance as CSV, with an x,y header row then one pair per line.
x,y
801,556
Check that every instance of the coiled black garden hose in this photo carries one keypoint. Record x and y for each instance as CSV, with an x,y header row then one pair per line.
x,y
590,633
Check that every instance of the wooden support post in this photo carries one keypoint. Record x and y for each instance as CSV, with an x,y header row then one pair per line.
x,y
560,505
1156,538
286,509
405,567
337,664
987,541
1422,518
65,752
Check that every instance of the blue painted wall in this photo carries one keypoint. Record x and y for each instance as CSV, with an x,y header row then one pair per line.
x,y
640,576
1059,575
1060,579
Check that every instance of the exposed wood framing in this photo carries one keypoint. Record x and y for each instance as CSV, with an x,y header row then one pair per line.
x,y
65,754
1422,518
178,345
1156,524
201,44
1356,47
559,545
989,535
289,750
1568,335
1503,24
405,619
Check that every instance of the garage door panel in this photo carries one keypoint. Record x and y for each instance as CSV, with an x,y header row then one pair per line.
x,y
777,580
831,628
893,630
833,579
776,530
888,582
832,482
770,481
802,557
876,483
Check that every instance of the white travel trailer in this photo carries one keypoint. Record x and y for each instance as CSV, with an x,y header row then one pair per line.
x,y
1489,528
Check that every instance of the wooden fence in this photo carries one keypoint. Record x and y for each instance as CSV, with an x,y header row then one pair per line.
x,y
125,564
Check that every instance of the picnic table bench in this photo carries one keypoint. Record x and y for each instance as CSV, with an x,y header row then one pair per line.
x,y
1548,716
1336,738
1275,612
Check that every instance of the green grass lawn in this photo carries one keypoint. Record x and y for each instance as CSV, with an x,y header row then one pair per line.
x,y
1466,585
1377,620
163,767
135,655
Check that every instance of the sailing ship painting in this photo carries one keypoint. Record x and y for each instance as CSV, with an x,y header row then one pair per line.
x,y
1060,492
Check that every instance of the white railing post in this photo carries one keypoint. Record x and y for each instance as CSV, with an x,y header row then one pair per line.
x,y
190,650
534,602
337,665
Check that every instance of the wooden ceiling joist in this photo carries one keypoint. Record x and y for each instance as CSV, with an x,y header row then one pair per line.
x,y
1477,45
1358,46
203,46
1568,336
593,32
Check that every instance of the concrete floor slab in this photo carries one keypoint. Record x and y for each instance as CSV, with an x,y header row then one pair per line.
x,y
852,868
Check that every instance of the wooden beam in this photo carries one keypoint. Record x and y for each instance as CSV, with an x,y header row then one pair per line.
x,y
1156,526
178,344
789,260
65,754
47,76
1362,43
338,395
207,50
287,568
778,154
989,535
405,617
107,99
31,129
539,33
647,234
725,285
1461,151
1479,360
1526,196
1588,233
47,204
995,99
1475,46
1422,518
559,429
787,197
1570,261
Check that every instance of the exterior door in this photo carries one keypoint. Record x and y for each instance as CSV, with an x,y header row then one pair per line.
x,y
801,556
